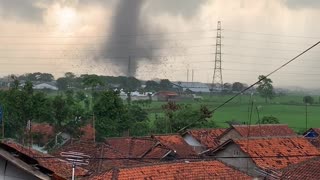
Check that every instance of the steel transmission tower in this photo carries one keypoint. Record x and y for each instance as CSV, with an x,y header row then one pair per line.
x,y
217,82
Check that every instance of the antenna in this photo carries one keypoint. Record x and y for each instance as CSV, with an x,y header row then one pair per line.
x,y
217,82
77,159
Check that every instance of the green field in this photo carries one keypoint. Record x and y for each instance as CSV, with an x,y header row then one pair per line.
x,y
288,109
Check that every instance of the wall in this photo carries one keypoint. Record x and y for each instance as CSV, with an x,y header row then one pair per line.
x,y
240,162
229,135
8,171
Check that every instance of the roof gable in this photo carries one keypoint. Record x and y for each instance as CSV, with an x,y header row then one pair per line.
x,y
132,146
176,143
207,137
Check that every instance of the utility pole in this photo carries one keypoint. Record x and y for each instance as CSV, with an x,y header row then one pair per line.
x,y
217,75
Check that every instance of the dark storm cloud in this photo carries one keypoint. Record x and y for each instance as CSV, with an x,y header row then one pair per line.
x,y
127,27
296,4
21,9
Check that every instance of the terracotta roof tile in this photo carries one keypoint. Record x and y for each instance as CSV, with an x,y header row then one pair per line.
x,y
58,166
176,143
275,152
132,146
176,170
102,156
264,130
207,137
307,170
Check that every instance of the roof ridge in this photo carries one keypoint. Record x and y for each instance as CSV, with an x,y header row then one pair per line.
x,y
206,129
269,137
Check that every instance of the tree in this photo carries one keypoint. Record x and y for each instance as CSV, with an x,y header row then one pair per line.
x,y
237,87
181,116
269,120
165,84
308,100
92,81
152,86
109,112
62,83
135,116
60,110
80,95
265,88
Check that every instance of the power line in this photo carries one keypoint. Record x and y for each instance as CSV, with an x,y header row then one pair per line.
x,y
199,158
264,77
270,34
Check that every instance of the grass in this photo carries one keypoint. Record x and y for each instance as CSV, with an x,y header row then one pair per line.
x,y
288,109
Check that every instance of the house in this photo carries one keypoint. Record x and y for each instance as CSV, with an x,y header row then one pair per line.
x,y
196,87
20,162
157,147
263,156
120,152
101,156
165,96
139,147
309,169
175,170
202,139
312,135
176,143
262,130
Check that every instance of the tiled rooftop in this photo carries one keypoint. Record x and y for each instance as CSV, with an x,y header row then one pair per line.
x,y
176,170
132,146
307,170
207,137
277,152
102,156
176,143
264,130
58,166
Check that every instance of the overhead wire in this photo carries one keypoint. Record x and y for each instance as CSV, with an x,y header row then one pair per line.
x,y
257,82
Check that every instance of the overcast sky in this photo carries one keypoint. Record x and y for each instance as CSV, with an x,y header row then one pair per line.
x,y
163,37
